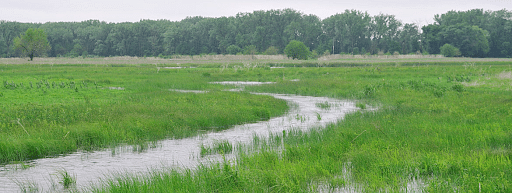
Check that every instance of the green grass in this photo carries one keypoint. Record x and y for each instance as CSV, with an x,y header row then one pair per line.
x,y
49,110
429,126
445,122
218,147
66,180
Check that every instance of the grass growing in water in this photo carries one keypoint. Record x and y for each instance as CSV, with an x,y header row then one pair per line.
x,y
324,105
428,128
67,180
218,147
52,110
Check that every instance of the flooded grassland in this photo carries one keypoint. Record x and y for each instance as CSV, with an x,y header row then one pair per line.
x,y
437,127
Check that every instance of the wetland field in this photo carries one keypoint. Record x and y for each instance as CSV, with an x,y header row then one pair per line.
x,y
418,124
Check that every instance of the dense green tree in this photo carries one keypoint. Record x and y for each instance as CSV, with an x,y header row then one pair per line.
x,y
474,25
471,40
100,48
306,29
297,50
432,40
347,30
338,33
384,30
506,50
76,51
233,49
363,51
223,34
250,50
3,46
33,43
272,50
60,37
409,38
448,50
11,30
355,51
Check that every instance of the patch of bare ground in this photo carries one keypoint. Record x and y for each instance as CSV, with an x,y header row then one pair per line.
x,y
475,83
505,75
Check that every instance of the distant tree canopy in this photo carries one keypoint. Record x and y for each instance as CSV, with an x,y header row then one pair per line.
x,y
476,33
32,43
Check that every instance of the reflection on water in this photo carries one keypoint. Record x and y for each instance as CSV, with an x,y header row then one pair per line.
x,y
89,167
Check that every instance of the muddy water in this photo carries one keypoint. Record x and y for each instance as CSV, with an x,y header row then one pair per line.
x,y
89,167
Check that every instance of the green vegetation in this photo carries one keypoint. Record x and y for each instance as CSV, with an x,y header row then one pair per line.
x,y
297,50
48,110
67,180
448,50
445,125
219,147
33,43
476,32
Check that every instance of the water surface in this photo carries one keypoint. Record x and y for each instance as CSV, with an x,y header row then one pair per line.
x,y
89,167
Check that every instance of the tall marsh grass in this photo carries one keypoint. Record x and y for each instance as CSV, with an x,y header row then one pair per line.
x,y
53,110
430,130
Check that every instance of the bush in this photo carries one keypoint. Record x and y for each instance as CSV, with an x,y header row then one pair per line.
x,y
314,54
448,50
355,51
297,50
272,50
233,49
250,50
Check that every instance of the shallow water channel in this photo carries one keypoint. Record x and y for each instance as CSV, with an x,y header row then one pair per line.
x,y
89,167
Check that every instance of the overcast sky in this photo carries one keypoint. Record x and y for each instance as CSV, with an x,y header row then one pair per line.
x,y
420,12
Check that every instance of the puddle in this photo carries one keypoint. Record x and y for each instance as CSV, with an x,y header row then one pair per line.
x,y
188,91
89,167
172,67
116,88
240,83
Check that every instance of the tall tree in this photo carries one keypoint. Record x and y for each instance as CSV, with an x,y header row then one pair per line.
x,y
307,29
347,30
60,37
33,43
3,46
495,25
409,38
385,30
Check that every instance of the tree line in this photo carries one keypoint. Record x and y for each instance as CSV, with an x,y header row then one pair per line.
x,y
476,33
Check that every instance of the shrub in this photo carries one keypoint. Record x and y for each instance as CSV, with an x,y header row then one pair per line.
x,y
448,50
250,50
233,49
314,54
272,50
297,50
355,51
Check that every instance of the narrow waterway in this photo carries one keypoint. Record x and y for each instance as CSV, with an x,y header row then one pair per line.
x,y
89,167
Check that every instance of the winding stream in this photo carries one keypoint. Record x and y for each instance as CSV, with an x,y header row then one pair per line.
x,y
89,167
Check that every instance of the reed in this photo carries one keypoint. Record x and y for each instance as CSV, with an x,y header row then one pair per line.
x,y
431,132
53,110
